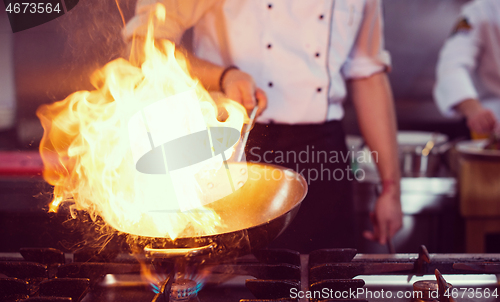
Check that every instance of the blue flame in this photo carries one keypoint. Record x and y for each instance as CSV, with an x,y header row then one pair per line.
x,y
156,284
160,278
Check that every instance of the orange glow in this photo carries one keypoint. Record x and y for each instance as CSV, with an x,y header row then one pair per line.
x,y
91,135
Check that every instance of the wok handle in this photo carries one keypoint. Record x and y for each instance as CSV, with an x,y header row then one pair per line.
x,y
244,138
179,252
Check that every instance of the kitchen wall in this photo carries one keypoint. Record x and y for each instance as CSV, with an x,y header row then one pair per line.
x,y
7,86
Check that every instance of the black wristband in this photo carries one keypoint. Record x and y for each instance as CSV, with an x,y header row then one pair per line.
x,y
223,74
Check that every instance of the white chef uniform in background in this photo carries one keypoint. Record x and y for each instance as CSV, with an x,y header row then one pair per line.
x,y
469,63
302,74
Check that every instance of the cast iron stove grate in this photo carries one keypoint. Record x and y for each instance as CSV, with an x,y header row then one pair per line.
x,y
46,274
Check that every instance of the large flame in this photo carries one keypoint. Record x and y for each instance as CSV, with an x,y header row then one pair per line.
x,y
89,154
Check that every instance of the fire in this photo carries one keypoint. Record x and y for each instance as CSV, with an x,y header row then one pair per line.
x,y
95,141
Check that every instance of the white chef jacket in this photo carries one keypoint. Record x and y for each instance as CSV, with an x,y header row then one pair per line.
x,y
299,52
469,63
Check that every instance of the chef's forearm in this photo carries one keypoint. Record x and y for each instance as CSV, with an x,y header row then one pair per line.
x,y
374,104
208,73
468,107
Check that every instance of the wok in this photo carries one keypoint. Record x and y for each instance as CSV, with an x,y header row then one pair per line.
x,y
252,217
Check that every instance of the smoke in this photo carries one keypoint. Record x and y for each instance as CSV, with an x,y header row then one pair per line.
x,y
93,32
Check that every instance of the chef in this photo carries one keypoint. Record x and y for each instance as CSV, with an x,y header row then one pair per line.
x,y
297,60
468,72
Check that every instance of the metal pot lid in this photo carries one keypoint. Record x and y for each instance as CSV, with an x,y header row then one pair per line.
x,y
420,138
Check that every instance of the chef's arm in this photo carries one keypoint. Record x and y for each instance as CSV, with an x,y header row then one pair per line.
x,y
208,73
374,105
236,84
455,90
479,119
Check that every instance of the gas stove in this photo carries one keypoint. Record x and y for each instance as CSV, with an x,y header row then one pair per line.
x,y
46,274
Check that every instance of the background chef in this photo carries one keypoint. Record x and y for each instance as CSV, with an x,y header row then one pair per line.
x,y
298,58
468,72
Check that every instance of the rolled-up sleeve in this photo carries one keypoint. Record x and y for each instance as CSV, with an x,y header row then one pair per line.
x,y
368,55
180,16
457,62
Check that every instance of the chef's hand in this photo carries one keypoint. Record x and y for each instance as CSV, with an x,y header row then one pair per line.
x,y
482,121
240,86
479,119
387,217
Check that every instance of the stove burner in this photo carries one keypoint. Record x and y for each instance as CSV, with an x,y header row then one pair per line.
x,y
184,290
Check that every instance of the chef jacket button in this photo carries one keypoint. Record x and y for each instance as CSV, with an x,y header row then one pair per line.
x,y
269,46
270,6
317,55
270,84
321,17
319,89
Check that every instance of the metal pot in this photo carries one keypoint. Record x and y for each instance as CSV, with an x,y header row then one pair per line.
x,y
253,216
420,153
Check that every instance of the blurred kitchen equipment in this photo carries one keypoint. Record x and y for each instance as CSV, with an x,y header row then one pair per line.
x,y
420,153
479,192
